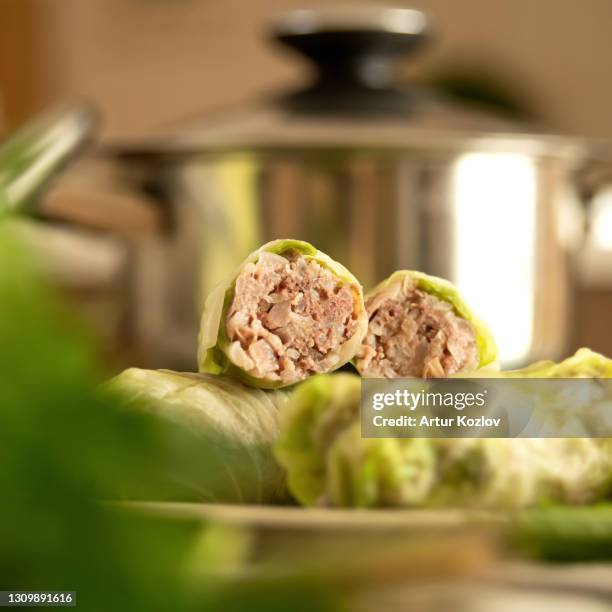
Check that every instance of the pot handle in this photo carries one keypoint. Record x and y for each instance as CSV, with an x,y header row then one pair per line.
x,y
594,184
37,152
353,51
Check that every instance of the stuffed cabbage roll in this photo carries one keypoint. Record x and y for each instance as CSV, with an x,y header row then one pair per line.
x,y
329,463
419,326
288,312
219,434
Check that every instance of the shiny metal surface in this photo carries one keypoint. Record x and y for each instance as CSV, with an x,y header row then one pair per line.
x,y
491,222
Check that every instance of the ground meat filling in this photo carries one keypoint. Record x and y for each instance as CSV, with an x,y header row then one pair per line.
x,y
412,333
289,318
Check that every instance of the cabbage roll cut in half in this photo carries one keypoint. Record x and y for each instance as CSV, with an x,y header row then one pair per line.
x,y
288,312
419,326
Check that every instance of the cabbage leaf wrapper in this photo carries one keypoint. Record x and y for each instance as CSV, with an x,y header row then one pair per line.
x,y
288,311
329,463
585,363
420,326
218,435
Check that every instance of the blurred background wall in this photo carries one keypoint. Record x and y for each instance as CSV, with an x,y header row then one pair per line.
x,y
147,62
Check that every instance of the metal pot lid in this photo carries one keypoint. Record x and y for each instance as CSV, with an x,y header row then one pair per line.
x,y
353,101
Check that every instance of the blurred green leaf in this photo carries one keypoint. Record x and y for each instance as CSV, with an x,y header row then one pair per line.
x,y
65,448
561,533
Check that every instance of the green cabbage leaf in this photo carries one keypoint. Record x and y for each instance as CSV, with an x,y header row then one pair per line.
x,y
219,434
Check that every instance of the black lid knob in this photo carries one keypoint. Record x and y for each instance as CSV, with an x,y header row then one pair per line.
x,y
352,47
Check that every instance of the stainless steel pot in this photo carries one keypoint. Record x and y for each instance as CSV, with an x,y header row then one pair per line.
x,y
379,177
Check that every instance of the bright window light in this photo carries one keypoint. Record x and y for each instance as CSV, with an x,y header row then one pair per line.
x,y
494,209
602,221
